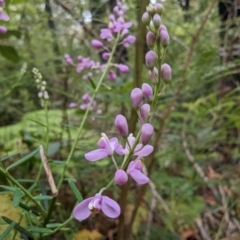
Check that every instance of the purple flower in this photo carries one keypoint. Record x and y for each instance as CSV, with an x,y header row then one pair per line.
x,y
106,33
112,76
121,124
120,177
106,55
97,44
159,8
162,27
146,18
140,150
2,3
68,59
147,91
166,72
123,68
136,97
150,59
147,131
107,147
128,41
72,105
4,16
94,205
86,98
134,170
156,20
144,111
3,29
164,38
150,39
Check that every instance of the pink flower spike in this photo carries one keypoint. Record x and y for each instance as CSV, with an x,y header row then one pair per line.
x,y
136,96
3,29
107,147
121,124
4,16
94,205
147,91
147,131
128,41
97,44
120,177
134,170
123,68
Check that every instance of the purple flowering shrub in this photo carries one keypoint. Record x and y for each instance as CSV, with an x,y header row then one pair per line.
x,y
135,148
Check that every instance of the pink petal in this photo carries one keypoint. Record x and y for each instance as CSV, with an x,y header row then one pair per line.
x,y
113,143
102,143
110,208
145,151
96,155
139,177
120,150
81,211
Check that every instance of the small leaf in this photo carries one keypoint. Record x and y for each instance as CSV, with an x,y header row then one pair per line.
x,y
7,231
10,53
17,197
75,190
22,160
53,225
42,197
92,83
12,189
39,230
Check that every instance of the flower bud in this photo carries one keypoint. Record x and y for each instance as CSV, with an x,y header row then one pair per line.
x,y
162,27
150,39
106,55
150,9
120,177
153,74
122,125
136,96
159,8
164,38
147,131
112,76
97,44
147,91
166,72
151,59
144,111
146,18
3,29
156,20
123,68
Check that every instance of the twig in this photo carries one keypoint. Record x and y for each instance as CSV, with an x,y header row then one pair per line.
x,y
201,229
150,217
48,172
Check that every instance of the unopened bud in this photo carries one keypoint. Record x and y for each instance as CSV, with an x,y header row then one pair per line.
x,y
144,111
150,9
151,59
136,96
153,74
147,131
162,27
122,125
150,39
156,20
120,177
147,91
146,18
164,38
97,44
159,8
166,72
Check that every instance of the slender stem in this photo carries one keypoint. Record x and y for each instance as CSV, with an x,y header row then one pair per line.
x,y
114,162
79,131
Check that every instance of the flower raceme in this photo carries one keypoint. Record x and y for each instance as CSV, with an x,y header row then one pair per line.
x,y
94,205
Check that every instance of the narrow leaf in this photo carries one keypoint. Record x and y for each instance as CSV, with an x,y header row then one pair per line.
x,y
92,83
75,190
22,160
41,197
17,197
53,225
7,231
10,53
40,230
11,189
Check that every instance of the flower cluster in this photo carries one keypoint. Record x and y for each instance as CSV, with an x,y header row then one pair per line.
x,y
3,17
116,27
41,85
143,100
86,100
157,34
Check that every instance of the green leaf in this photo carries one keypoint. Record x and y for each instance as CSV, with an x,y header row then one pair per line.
x,y
17,197
39,230
42,197
7,231
10,53
75,190
53,225
10,33
22,160
92,83
12,189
